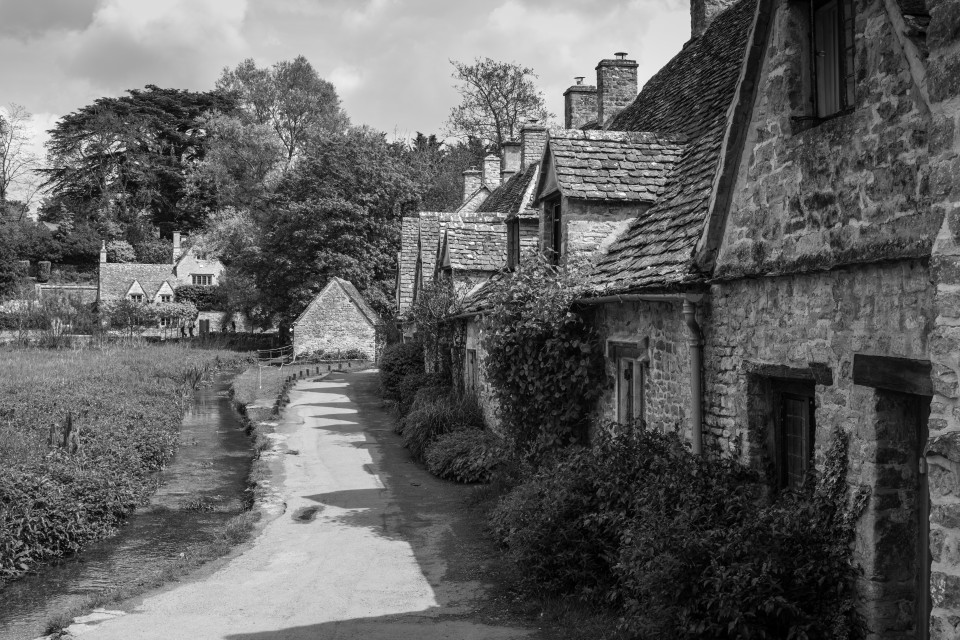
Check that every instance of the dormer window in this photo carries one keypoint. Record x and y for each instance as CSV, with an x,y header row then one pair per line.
x,y
136,297
201,279
166,297
832,48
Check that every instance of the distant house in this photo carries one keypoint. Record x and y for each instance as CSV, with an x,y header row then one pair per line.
x,y
154,283
338,320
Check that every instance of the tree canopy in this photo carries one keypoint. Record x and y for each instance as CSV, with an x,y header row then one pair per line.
x,y
290,98
496,99
124,160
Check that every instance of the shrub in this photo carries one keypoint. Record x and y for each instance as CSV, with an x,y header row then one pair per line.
x,y
468,455
399,360
684,546
438,410
413,382
544,361
203,297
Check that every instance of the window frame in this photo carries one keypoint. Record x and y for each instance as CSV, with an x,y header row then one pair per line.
x,y
782,389
513,243
846,58
136,297
166,297
208,276
634,358
553,223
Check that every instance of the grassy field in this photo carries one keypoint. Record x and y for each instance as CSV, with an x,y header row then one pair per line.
x,y
126,404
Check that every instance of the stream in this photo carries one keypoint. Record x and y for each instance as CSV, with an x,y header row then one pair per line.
x,y
202,488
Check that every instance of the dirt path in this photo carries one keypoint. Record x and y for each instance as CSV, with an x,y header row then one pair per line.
x,y
370,545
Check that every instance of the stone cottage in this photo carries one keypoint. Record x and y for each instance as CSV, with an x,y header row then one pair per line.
x,y
152,283
338,320
773,220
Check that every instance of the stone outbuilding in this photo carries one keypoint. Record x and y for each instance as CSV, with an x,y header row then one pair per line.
x,y
336,321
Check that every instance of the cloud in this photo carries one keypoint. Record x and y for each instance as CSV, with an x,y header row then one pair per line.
x,y
387,58
24,19
174,43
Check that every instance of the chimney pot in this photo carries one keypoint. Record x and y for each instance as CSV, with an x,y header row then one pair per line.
x,y
579,79
620,55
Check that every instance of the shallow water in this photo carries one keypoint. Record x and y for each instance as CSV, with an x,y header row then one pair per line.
x,y
201,489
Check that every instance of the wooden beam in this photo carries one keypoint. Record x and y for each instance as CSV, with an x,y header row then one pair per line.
x,y
893,374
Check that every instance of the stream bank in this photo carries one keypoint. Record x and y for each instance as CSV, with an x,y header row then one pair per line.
x,y
197,514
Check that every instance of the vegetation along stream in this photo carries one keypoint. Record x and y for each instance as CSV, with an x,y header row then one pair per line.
x,y
200,491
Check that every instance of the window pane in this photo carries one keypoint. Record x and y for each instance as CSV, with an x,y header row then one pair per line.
x,y
827,52
796,431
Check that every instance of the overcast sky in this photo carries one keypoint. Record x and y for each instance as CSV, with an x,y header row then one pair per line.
x,y
387,58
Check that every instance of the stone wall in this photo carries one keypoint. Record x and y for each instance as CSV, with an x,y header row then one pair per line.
x,y
473,340
193,265
591,227
942,82
666,391
579,106
333,322
808,327
855,188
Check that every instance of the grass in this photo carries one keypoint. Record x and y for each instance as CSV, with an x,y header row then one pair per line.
x,y
124,406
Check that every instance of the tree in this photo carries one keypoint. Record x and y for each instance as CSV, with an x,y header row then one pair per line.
x,y
497,98
438,169
18,164
336,213
125,160
290,98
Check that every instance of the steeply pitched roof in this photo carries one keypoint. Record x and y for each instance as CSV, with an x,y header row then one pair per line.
x,y
476,245
354,296
512,197
613,165
691,97
477,299
117,277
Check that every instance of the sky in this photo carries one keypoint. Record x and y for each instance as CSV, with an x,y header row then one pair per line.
x,y
389,59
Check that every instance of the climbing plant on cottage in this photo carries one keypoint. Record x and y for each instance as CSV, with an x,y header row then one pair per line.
x,y
544,362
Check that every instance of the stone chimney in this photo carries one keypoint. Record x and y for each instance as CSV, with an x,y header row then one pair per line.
x,y
579,104
616,86
491,171
103,251
702,13
510,160
533,139
176,246
471,182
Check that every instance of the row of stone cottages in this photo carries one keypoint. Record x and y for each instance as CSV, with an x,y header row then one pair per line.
x,y
775,222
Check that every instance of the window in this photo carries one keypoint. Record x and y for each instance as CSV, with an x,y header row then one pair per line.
x,y
631,360
513,243
629,390
202,279
470,379
167,322
794,409
166,297
832,47
136,297
553,245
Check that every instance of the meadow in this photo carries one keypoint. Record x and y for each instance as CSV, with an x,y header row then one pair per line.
x,y
64,486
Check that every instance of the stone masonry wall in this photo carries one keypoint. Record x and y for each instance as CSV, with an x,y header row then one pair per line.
x,y
774,327
942,82
332,322
666,389
474,334
854,188
591,227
